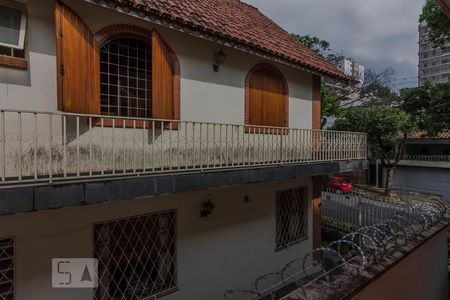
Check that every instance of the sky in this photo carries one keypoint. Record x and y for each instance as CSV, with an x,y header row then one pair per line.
x,y
375,33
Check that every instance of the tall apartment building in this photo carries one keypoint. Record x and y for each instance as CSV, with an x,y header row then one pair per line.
x,y
434,62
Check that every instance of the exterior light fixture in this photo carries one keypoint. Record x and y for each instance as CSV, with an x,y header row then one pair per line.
x,y
207,209
219,58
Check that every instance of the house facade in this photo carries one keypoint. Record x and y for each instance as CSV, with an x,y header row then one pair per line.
x,y
177,142
425,165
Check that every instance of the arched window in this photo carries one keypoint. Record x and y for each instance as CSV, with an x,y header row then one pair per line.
x,y
266,97
126,78
121,70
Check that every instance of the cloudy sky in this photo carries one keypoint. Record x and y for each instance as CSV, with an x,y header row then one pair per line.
x,y
377,34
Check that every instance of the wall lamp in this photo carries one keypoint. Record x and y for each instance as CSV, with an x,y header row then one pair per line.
x,y
207,209
219,58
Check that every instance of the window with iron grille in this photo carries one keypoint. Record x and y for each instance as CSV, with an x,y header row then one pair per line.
x,y
6,269
126,78
292,217
136,256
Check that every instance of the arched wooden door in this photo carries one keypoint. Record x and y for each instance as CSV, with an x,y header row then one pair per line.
x,y
267,98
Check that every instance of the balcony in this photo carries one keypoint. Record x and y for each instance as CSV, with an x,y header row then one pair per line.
x,y
48,147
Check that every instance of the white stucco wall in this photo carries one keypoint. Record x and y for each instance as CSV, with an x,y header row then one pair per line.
x,y
421,275
205,95
228,250
34,88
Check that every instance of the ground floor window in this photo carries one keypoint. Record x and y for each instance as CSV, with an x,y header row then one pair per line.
x,y
7,269
291,217
137,256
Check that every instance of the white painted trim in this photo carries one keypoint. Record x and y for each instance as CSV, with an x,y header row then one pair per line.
x,y
23,25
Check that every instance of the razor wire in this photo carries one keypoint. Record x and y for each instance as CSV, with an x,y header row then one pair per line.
x,y
355,250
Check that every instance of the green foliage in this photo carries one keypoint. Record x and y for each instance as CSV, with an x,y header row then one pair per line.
x,y
383,124
321,47
327,221
438,23
430,106
331,99
331,103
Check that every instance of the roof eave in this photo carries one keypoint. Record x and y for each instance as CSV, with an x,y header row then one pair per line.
x,y
216,38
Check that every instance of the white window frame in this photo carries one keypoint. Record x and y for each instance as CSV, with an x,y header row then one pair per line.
x,y
23,25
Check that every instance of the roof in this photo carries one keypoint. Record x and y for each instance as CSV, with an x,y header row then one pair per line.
x,y
237,22
445,135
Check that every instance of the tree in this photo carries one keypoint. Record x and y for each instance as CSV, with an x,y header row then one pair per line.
x,y
321,47
383,125
438,23
330,103
336,96
430,106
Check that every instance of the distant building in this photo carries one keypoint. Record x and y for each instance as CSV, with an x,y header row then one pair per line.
x,y
425,165
351,68
351,92
434,62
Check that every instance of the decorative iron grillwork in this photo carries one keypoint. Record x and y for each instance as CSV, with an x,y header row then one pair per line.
x,y
136,256
125,78
6,269
292,218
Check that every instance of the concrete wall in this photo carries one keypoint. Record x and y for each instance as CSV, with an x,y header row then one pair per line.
x,y
205,95
34,88
420,276
228,250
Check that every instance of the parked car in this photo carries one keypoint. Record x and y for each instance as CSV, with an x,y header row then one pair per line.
x,y
339,183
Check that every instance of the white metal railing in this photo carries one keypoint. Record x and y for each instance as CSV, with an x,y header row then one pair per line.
x,y
439,158
357,209
53,146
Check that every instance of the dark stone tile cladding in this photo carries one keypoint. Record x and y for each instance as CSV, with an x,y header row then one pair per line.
x,y
25,199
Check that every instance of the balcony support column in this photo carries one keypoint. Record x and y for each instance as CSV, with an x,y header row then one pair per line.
x,y
316,203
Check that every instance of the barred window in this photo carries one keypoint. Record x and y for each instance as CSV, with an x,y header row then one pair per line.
x,y
126,78
6,269
292,217
136,256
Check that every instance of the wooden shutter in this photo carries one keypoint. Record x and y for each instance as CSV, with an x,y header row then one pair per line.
x,y
162,79
78,64
316,116
267,99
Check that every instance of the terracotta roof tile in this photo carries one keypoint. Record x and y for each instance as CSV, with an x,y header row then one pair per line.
x,y
238,22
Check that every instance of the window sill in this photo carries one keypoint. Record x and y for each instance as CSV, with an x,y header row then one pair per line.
x,y
258,129
13,62
137,124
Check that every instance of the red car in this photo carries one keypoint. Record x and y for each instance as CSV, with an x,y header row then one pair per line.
x,y
339,183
